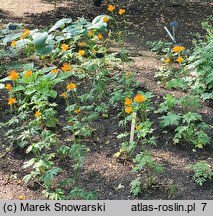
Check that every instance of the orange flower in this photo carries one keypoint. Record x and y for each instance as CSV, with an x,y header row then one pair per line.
x,y
177,49
64,47
71,86
138,127
8,86
90,33
26,32
100,37
66,67
64,94
28,73
81,52
139,98
94,51
168,60
13,43
13,75
82,44
22,36
11,101
21,197
128,109
105,19
111,8
54,71
121,11
179,59
77,111
128,101
37,114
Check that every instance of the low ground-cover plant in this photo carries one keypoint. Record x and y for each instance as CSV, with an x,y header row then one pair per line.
x,y
202,172
187,123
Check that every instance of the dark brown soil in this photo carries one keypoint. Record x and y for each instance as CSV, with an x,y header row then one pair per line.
x,y
102,172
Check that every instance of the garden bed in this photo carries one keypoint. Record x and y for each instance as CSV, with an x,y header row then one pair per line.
x,y
102,172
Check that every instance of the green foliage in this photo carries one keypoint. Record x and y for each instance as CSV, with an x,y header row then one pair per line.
x,y
201,65
145,162
78,152
58,194
170,119
188,123
78,193
159,47
202,172
189,103
191,117
178,83
168,104
136,187
163,75
173,189
188,128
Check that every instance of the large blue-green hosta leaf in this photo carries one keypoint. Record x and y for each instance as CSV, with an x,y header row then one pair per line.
x,y
39,38
60,24
2,86
60,38
44,50
74,31
10,38
82,21
50,39
45,70
22,43
98,23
